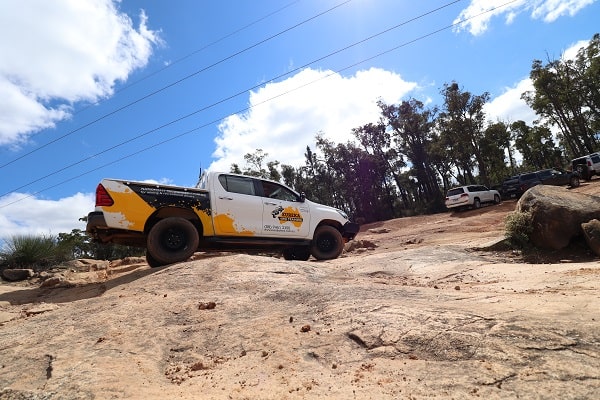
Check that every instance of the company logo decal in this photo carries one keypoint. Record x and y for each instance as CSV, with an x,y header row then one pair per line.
x,y
288,214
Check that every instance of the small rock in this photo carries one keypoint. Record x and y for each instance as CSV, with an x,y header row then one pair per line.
x,y
305,328
17,274
591,231
207,306
53,281
379,230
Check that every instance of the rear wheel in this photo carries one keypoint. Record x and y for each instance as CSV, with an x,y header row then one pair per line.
x,y
152,262
172,240
301,253
476,203
327,243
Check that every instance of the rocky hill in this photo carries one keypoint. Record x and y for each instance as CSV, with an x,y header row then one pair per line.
x,y
420,307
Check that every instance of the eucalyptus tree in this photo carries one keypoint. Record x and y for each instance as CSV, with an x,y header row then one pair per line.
x,y
495,146
411,127
587,67
537,146
567,95
462,125
376,139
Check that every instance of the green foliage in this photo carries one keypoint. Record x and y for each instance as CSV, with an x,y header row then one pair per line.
x,y
518,228
32,251
41,252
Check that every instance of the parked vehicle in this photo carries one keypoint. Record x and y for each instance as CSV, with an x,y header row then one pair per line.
x,y
515,186
471,196
587,166
225,212
558,177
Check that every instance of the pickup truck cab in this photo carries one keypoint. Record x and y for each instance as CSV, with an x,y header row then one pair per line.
x,y
224,212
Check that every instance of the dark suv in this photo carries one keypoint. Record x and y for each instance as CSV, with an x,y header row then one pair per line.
x,y
558,177
515,186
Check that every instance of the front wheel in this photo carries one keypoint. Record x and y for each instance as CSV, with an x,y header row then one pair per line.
x,y
574,182
172,240
327,243
496,199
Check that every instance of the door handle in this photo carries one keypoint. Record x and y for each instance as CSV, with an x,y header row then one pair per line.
x,y
270,203
225,198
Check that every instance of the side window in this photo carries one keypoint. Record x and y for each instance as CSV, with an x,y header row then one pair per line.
x,y
275,191
237,184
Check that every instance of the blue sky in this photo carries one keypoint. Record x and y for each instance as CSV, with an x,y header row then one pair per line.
x,y
155,90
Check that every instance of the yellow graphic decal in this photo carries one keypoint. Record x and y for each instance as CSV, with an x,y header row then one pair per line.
x,y
290,214
226,224
129,204
207,223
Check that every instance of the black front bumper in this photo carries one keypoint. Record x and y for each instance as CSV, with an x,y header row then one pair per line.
x,y
349,230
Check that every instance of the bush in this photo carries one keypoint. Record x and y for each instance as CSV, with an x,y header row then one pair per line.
x,y
32,251
518,227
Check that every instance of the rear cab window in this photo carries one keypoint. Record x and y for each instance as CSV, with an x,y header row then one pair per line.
x,y
238,184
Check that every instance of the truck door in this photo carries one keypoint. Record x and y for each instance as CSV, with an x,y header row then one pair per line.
x,y
284,213
238,208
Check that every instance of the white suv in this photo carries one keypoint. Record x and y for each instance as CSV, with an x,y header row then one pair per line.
x,y
471,196
587,166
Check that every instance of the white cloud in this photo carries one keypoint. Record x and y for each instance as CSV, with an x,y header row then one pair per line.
x,y
25,214
509,107
315,101
571,52
477,17
55,53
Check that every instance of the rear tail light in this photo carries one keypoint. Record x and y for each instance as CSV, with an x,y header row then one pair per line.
x,y
464,195
589,163
102,197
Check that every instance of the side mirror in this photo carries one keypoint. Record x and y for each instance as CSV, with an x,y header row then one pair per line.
x,y
302,197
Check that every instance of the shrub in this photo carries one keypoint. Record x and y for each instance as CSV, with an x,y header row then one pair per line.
x,y
518,228
33,251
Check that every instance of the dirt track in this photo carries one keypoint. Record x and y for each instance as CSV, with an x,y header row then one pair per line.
x,y
420,315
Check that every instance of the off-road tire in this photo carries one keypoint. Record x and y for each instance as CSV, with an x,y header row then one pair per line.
x,y
151,261
327,243
301,253
172,240
574,182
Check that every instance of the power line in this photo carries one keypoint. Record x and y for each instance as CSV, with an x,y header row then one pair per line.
x,y
173,84
189,55
233,96
417,39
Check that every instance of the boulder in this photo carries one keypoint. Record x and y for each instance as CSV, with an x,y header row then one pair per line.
x,y
591,231
17,274
557,214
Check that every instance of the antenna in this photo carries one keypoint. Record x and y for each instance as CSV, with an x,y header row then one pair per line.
x,y
199,174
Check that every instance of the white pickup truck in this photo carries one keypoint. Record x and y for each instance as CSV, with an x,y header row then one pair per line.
x,y
224,212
